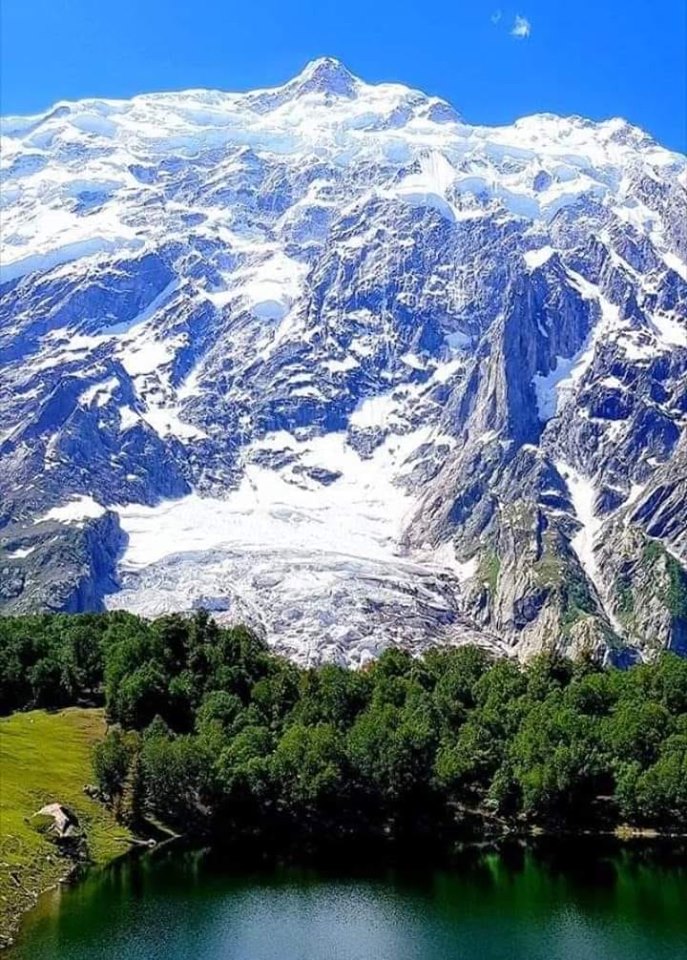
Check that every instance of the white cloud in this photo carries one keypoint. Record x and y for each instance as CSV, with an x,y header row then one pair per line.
x,y
521,28
496,16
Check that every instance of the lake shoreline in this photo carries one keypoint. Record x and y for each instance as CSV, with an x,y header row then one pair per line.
x,y
75,873
383,852
150,889
477,832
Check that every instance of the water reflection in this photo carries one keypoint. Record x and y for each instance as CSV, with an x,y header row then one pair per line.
x,y
543,901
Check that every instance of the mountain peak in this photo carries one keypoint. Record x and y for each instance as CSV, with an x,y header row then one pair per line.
x,y
372,377
326,75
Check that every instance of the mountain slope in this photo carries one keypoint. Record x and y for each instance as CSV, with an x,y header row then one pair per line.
x,y
329,359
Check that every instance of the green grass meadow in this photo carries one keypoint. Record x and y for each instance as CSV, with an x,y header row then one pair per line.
x,y
45,758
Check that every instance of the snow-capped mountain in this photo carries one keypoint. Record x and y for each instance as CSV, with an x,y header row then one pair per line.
x,y
328,359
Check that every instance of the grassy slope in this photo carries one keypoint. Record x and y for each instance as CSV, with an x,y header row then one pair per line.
x,y
46,757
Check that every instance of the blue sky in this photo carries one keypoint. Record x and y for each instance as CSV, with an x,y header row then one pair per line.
x,y
492,60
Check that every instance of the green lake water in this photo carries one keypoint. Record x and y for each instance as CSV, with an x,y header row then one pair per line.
x,y
582,902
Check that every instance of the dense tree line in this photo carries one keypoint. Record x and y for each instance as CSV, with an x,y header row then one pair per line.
x,y
209,729
51,660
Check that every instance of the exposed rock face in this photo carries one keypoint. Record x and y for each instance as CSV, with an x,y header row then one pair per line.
x,y
329,360
61,566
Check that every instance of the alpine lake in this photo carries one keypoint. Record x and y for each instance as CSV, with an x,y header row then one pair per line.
x,y
574,899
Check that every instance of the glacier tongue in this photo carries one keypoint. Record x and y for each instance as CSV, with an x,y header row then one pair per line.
x,y
312,559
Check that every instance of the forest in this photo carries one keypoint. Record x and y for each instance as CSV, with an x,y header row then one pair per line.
x,y
210,732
